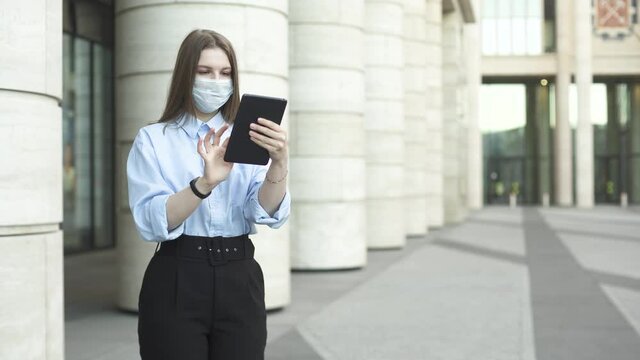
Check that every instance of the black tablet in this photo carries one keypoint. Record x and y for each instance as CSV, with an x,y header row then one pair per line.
x,y
240,148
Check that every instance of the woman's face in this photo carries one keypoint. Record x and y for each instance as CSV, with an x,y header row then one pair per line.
x,y
214,64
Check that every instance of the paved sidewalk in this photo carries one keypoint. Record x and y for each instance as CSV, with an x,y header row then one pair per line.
x,y
526,283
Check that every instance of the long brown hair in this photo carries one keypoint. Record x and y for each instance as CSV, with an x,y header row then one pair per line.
x,y
180,99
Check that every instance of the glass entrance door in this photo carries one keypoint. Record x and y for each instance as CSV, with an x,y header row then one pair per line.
x,y
505,176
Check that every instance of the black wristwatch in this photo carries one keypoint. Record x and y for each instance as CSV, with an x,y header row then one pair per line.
x,y
192,184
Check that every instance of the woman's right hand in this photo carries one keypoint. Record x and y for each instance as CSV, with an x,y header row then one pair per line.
x,y
216,169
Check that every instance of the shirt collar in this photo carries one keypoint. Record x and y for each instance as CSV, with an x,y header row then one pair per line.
x,y
192,125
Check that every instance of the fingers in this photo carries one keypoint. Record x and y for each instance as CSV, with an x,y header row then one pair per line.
x,y
275,127
225,143
266,140
204,145
268,123
267,144
224,147
277,134
200,150
207,140
263,145
216,139
268,134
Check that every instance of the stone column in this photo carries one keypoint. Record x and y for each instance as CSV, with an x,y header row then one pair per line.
x,y
584,134
415,109
467,54
634,145
147,40
328,173
463,133
563,163
384,123
451,28
433,98
474,150
31,268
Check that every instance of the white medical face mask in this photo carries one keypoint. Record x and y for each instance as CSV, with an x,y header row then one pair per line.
x,y
209,95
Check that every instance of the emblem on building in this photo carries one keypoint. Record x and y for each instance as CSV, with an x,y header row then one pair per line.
x,y
614,18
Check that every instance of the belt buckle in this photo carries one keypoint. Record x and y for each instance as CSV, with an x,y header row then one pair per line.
x,y
216,248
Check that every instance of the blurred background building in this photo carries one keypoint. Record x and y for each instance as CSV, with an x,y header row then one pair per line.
x,y
560,101
403,116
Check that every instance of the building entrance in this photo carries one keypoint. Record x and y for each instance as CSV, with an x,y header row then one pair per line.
x,y
518,123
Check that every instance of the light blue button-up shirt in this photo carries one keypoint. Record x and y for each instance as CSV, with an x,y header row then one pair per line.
x,y
162,161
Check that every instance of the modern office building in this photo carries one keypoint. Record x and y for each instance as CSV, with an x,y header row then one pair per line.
x,y
397,125
560,102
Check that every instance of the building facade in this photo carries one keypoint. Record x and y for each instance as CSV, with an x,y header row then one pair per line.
x,y
383,121
560,102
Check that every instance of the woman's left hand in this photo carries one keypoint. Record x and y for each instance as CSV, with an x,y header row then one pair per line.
x,y
271,137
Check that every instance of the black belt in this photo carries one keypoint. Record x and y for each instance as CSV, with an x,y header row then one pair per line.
x,y
217,250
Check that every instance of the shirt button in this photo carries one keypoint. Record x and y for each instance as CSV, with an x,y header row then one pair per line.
x,y
199,247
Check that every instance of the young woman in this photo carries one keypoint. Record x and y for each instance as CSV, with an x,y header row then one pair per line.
x,y
202,295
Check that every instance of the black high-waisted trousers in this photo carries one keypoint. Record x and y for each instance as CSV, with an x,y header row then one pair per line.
x,y
202,298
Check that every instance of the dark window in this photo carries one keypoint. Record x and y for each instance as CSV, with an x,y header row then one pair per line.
x,y
88,125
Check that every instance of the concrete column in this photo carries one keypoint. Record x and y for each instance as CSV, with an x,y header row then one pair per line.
x,y
31,268
474,150
584,134
563,150
463,132
433,98
634,145
328,173
415,109
384,123
451,38
147,40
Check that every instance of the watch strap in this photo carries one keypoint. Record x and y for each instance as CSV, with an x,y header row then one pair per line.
x,y
192,184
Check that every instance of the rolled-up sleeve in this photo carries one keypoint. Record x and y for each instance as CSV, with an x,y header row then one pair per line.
x,y
148,192
255,213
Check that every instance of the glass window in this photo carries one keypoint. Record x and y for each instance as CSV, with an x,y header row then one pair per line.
x,y
76,148
519,8
502,121
519,35
489,9
534,36
598,104
612,160
502,107
103,140
87,108
552,106
535,8
504,8
489,45
624,108
504,36
518,28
